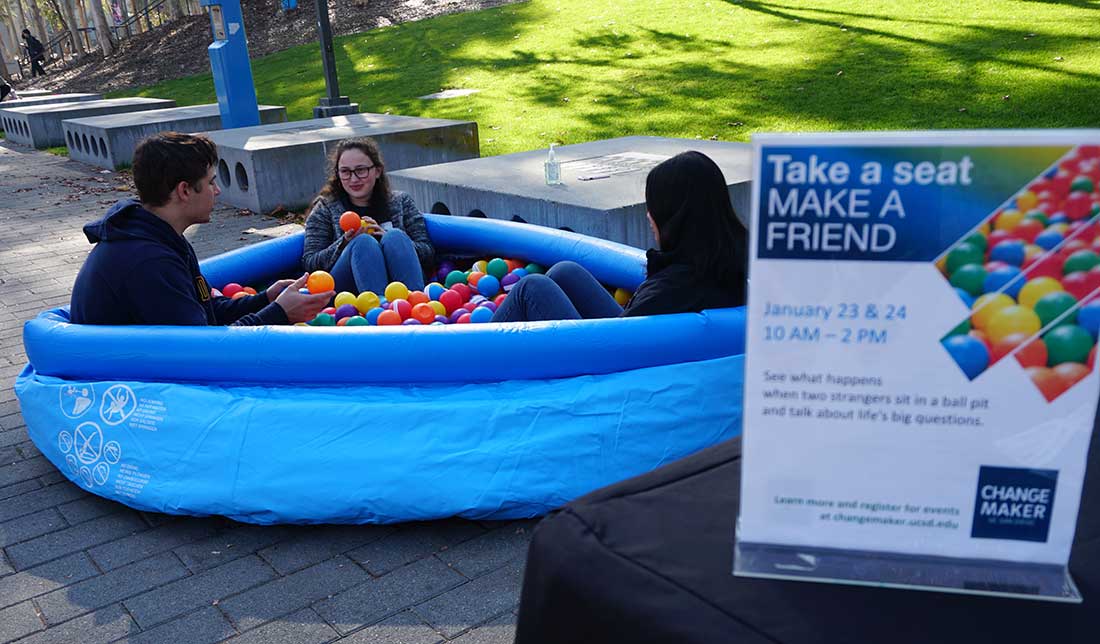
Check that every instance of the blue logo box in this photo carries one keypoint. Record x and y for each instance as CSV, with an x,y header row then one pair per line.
x,y
1013,503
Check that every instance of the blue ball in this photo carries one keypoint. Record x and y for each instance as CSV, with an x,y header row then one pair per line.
x,y
967,298
1048,239
1059,218
372,315
1001,278
519,272
1088,316
304,291
969,353
434,291
1010,251
488,286
481,313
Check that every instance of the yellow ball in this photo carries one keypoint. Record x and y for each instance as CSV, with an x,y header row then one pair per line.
x,y
1027,200
342,298
1059,227
986,306
1012,319
438,307
941,264
481,266
396,291
366,301
622,296
1008,220
985,228
1032,251
1037,288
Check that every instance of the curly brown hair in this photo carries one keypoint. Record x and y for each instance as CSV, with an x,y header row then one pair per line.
x,y
333,189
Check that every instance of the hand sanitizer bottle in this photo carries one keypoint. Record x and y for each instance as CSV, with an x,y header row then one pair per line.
x,y
553,168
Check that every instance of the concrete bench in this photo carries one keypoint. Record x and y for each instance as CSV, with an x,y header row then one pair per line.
x,y
109,141
40,125
266,167
602,193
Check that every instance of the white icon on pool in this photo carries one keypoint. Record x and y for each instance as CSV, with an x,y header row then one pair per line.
x,y
118,403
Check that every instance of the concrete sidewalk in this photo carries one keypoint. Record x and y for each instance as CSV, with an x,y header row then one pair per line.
x,y
75,567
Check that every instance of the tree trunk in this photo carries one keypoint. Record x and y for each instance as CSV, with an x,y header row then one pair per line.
x,y
68,17
125,16
20,16
134,12
43,35
102,28
9,44
147,14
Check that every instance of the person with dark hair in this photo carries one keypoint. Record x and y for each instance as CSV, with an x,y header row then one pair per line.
x,y
393,243
701,259
36,53
144,271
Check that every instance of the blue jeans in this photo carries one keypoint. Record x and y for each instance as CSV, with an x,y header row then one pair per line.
x,y
367,264
566,292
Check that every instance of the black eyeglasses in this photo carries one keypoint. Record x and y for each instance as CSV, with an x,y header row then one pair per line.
x,y
360,173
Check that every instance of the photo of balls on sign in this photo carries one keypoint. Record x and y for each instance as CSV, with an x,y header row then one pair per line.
x,y
1030,275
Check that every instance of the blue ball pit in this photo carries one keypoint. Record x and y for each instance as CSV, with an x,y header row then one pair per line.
x,y
382,424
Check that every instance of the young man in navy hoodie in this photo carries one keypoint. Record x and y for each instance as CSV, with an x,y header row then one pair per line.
x,y
143,270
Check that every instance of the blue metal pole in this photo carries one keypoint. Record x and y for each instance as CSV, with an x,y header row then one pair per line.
x,y
230,65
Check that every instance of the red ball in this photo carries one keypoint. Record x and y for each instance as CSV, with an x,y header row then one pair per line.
x,y
1078,205
1028,230
1071,372
998,236
1044,266
1050,384
330,310
451,300
498,300
1077,284
1006,345
389,318
1091,361
994,265
404,309
981,337
1033,354
463,291
424,313
232,289
464,318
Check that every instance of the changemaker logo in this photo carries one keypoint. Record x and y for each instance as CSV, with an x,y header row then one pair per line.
x,y
1013,503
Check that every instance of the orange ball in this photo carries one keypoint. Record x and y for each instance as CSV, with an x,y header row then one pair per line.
x,y
1050,384
423,313
1033,354
389,318
1071,372
474,278
249,290
349,221
418,297
320,282
239,294
343,321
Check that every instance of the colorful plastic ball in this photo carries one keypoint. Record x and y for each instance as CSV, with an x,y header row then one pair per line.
x,y
1053,305
1028,229
350,221
366,301
438,308
988,305
1033,353
1008,220
372,315
357,320
1057,219
498,268
464,291
456,314
998,236
441,319
1012,319
446,266
520,272
1071,246
418,297
412,322
622,296
479,266
1067,343
231,289
481,314
1081,184
331,310
389,318
1077,206
342,298
981,337
533,268
216,293
451,300
454,277
489,304
498,300
1091,362
965,253
1010,251
1049,383
342,321
1072,372
434,290
1038,215
464,318
423,312
239,294
508,281
1080,284
969,278
346,311
1037,288
488,286
474,278
992,266
1032,251
323,319
1026,200
962,328
396,291
1048,239
320,282
967,298
249,290
969,353
1088,317
1005,279
1006,346
402,308
1081,260
304,291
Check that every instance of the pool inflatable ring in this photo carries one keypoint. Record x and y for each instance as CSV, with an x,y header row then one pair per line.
x,y
382,424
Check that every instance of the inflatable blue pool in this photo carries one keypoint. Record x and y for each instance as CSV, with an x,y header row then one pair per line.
x,y
382,424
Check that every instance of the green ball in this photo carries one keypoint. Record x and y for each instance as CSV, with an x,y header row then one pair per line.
x,y
962,329
533,268
357,320
1069,343
978,240
969,278
1082,184
1039,216
498,268
1082,260
324,319
963,254
455,277
1052,305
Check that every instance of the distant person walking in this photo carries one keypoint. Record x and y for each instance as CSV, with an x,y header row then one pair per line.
x,y
36,52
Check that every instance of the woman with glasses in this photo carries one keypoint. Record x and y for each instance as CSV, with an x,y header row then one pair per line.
x,y
700,261
392,245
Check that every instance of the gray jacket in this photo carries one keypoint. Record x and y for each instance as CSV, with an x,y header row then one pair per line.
x,y
323,234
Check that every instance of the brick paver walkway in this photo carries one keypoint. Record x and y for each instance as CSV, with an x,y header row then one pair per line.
x,y
75,567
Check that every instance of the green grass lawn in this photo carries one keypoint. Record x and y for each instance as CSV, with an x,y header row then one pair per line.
x,y
578,70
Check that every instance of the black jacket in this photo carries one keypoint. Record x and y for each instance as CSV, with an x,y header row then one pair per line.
x,y
677,288
143,272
